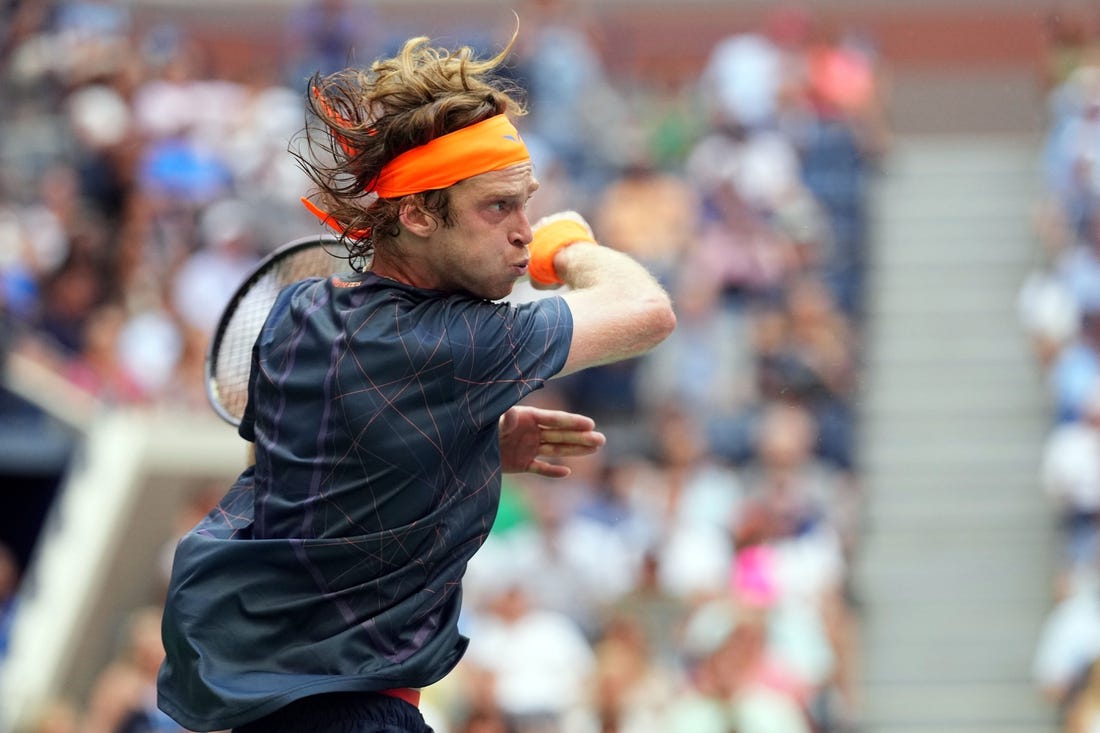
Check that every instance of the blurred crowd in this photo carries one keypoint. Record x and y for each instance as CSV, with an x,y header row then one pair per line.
x,y
694,576
1059,308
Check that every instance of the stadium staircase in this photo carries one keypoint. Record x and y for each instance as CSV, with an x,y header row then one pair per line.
x,y
955,571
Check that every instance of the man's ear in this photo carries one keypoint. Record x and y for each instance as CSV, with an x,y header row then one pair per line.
x,y
416,218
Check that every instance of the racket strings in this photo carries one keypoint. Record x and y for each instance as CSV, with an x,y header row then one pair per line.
x,y
231,357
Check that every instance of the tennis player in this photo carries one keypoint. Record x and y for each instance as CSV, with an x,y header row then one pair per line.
x,y
324,590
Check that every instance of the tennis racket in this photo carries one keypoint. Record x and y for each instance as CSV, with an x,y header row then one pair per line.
x,y
229,357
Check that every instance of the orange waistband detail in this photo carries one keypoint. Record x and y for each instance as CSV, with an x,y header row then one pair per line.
x,y
409,694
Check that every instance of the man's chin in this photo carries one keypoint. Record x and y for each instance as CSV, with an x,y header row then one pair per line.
x,y
502,293
523,291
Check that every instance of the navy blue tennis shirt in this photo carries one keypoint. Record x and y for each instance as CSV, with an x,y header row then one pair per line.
x,y
335,562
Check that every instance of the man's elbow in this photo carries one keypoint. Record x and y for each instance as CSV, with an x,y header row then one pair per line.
x,y
660,318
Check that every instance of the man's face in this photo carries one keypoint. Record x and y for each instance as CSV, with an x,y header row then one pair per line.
x,y
484,250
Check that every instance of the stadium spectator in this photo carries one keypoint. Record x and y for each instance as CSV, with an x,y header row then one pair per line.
x,y
540,663
1077,367
123,698
1070,476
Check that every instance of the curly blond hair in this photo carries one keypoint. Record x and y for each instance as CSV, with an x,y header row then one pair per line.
x,y
360,119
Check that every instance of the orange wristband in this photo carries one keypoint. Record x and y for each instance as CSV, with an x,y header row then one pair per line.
x,y
548,239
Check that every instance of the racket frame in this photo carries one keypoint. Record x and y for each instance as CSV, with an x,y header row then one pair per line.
x,y
270,261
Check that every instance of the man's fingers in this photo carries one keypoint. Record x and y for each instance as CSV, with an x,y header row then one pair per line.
x,y
562,420
562,450
548,470
592,438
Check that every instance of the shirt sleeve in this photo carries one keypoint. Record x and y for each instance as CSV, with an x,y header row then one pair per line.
x,y
503,352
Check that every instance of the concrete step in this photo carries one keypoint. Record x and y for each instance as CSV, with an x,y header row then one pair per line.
x,y
920,179
1003,178
966,662
890,349
992,158
936,277
952,626
977,574
1026,726
945,207
947,451
939,389
962,462
947,398
948,500
951,506
1014,352
945,292
956,360
1018,183
958,399
954,237
919,322
979,543
940,613
951,706
883,408
961,512
916,428
916,295
946,487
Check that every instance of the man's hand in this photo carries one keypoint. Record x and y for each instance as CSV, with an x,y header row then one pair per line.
x,y
528,435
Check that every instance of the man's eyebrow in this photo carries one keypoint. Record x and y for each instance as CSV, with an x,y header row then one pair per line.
x,y
505,192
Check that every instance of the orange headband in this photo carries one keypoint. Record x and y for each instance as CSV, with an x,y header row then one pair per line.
x,y
485,146
489,145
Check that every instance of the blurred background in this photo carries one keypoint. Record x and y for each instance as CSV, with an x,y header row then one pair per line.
x,y
857,489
